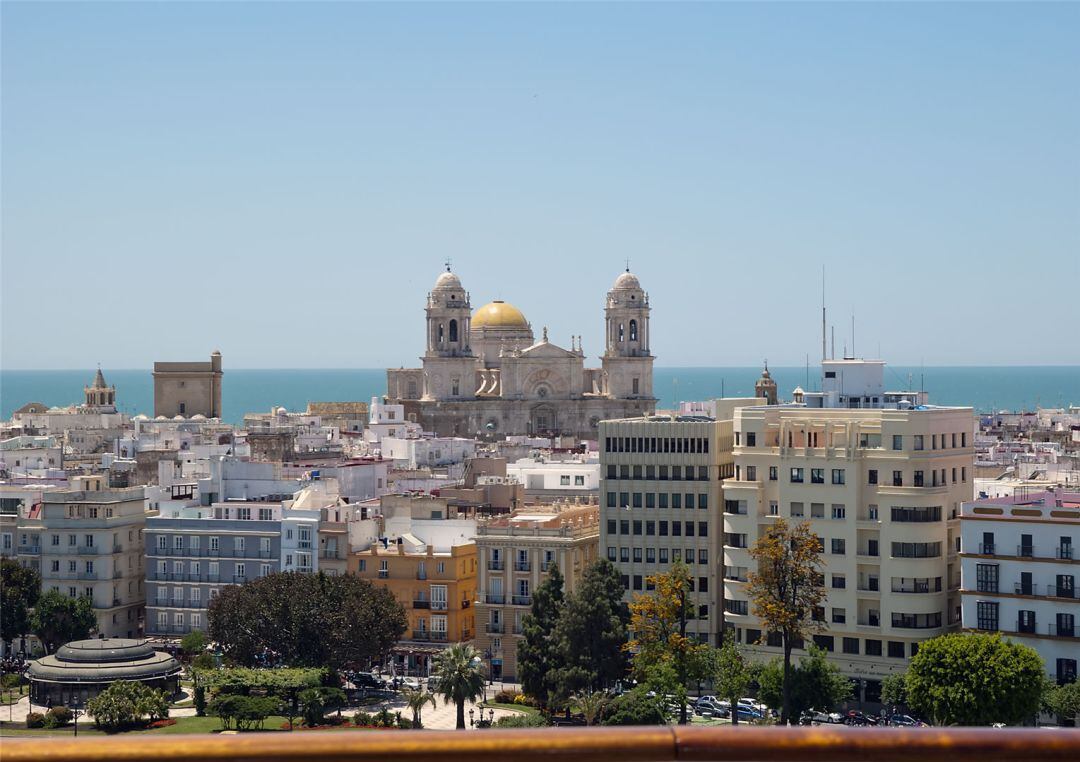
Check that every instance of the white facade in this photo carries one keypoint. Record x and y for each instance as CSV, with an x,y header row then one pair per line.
x,y
570,476
1020,560
436,451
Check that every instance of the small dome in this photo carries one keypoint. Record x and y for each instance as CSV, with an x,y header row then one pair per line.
x,y
198,417
626,281
798,390
446,281
499,314
141,417
161,418
178,417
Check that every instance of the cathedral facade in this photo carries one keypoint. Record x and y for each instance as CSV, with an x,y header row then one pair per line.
x,y
484,373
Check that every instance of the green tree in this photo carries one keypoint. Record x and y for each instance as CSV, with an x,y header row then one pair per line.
x,y
591,632
315,701
125,703
1064,701
193,643
659,620
416,701
311,620
731,674
20,588
243,712
58,619
815,683
538,654
636,707
975,679
458,677
592,704
894,690
786,589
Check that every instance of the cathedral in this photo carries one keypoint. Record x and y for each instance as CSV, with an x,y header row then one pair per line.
x,y
485,374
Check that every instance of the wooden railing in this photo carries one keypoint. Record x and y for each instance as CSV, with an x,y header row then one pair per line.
x,y
641,744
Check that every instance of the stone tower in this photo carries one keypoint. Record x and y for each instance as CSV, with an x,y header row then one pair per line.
x,y
765,386
627,360
100,395
449,363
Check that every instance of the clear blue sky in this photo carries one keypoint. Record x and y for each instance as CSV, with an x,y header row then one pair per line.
x,y
283,181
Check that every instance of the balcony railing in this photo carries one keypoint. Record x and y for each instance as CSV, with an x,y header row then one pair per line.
x,y
496,599
1025,589
87,550
438,605
1065,552
496,628
522,566
496,565
632,744
1063,631
421,604
1057,591
30,550
522,600
1026,627
986,548
1025,551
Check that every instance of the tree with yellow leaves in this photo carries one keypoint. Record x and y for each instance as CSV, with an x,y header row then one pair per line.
x,y
786,588
663,653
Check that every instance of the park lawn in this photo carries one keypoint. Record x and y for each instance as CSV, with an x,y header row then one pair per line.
x,y
520,708
10,696
188,725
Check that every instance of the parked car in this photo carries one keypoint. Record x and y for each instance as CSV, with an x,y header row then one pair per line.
x,y
905,721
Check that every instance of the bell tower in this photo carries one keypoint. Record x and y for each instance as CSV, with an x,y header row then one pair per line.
x,y
627,360
449,363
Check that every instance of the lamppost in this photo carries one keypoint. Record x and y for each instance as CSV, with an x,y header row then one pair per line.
x,y
472,721
489,655
75,713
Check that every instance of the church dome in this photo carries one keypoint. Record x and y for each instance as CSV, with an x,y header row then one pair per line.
x,y
626,280
499,314
447,280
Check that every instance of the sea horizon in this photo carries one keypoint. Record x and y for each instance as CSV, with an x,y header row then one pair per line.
x,y
252,390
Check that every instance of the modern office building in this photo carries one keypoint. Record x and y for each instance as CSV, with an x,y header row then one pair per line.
x,y
515,554
660,498
880,477
1020,562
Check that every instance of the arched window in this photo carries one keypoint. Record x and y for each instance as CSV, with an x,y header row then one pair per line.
x,y
440,333
453,330
633,330
620,333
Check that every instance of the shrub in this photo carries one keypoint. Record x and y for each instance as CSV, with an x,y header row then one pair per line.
x,y
522,700
635,708
242,712
384,719
404,722
199,700
203,661
124,703
10,680
506,697
361,719
35,720
62,714
521,721
50,722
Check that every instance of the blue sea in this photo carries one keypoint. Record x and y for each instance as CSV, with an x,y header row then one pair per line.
x,y
244,391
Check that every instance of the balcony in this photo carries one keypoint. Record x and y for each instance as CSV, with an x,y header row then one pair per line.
x,y
116,602
117,548
438,605
521,600
1025,551
1061,591
522,566
384,574
986,548
1064,552
421,604
87,575
1062,631
87,550
496,565
659,744
465,604
496,628
29,550
495,598
118,573
545,566
1022,588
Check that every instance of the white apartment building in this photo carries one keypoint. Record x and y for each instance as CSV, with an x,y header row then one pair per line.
x,y
515,554
881,481
1020,564
660,494
556,477
90,543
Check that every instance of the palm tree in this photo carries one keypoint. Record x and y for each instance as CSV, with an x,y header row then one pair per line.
x,y
591,704
458,677
416,701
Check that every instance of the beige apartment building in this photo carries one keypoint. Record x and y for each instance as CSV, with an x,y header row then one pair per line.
x,y
660,497
882,488
90,540
516,553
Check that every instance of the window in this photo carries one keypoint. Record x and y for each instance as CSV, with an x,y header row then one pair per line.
x,y
898,478
650,555
774,508
611,556
986,613
624,555
751,439
772,473
872,476
839,616
918,479
637,555
986,576
851,646
579,480
839,546
363,564
751,473
797,475
920,514
916,549
839,511
839,581
702,501
917,442
817,476
873,648
838,476
214,543
897,444
796,509
896,649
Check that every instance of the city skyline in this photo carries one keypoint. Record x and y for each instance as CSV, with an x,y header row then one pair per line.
x,y
284,182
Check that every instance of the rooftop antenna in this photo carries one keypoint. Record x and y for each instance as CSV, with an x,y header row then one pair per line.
x,y
833,342
853,355
823,313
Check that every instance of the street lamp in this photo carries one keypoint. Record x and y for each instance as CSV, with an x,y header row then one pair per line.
x,y
75,713
472,722
488,655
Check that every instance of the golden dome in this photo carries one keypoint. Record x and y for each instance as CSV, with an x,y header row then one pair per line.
x,y
499,314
